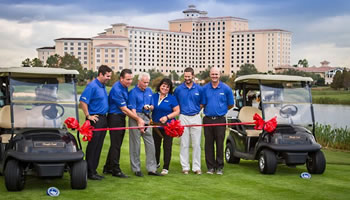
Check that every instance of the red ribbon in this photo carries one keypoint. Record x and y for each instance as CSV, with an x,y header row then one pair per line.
x,y
86,129
268,126
173,129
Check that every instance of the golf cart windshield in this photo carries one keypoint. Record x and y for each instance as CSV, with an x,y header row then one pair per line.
x,y
42,102
289,101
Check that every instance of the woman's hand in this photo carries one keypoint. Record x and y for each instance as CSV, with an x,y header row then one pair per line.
x,y
163,119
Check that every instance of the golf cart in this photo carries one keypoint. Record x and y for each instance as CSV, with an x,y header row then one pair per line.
x,y
293,141
34,102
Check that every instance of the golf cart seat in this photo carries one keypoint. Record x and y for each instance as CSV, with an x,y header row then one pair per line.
x,y
246,115
23,117
5,117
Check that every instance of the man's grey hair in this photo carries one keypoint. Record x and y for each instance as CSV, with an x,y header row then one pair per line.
x,y
144,74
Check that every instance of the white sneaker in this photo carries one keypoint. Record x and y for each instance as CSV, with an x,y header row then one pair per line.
x,y
164,172
219,172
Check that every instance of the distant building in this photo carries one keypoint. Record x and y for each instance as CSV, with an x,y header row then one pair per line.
x,y
45,52
325,71
195,41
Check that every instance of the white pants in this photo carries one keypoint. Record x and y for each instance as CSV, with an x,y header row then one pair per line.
x,y
191,134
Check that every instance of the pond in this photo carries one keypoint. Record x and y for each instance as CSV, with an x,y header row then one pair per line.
x,y
335,115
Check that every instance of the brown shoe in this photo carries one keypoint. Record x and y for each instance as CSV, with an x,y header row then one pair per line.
x,y
185,172
198,172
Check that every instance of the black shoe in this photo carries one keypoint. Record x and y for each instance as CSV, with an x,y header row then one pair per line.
x,y
102,177
120,175
154,173
107,170
94,177
139,174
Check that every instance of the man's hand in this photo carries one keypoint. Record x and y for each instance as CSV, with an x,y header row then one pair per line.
x,y
93,118
141,123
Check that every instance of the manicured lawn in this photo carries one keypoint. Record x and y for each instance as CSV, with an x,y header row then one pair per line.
x,y
241,181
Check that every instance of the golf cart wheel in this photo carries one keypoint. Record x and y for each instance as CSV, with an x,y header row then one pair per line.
x,y
316,163
14,176
267,162
78,175
230,158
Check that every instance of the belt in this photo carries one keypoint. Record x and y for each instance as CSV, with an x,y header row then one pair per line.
x,y
215,117
120,114
105,115
192,115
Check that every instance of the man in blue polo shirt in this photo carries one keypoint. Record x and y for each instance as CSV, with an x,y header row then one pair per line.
x,y
140,100
218,98
190,97
94,102
118,110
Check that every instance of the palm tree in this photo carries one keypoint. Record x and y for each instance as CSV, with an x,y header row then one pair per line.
x,y
303,63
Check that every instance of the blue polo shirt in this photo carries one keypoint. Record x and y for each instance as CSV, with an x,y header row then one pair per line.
x,y
139,98
217,100
164,108
118,97
95,96
189,98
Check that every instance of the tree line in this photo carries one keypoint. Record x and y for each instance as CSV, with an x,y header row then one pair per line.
x,y
341,80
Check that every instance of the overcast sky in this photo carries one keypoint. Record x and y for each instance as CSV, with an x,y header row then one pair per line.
x,y
321,28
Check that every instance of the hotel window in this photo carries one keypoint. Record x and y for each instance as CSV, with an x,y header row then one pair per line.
x,y
72,48
65,48
71,43
98,60
120,61
97,50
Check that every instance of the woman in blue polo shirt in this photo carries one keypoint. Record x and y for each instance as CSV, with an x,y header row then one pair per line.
x,y
166,108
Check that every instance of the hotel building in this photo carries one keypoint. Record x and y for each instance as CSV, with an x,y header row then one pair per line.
x,y
195,41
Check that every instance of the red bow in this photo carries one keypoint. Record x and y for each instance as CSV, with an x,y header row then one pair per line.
x,y
85,129
174,128
268,126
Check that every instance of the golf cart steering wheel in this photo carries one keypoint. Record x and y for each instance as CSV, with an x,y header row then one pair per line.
x,y
51,112
288,111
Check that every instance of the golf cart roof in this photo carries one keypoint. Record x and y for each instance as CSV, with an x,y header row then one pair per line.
x,y
34,71
264,78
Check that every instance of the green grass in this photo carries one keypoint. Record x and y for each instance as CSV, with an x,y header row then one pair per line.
x,y
242,181
327,95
